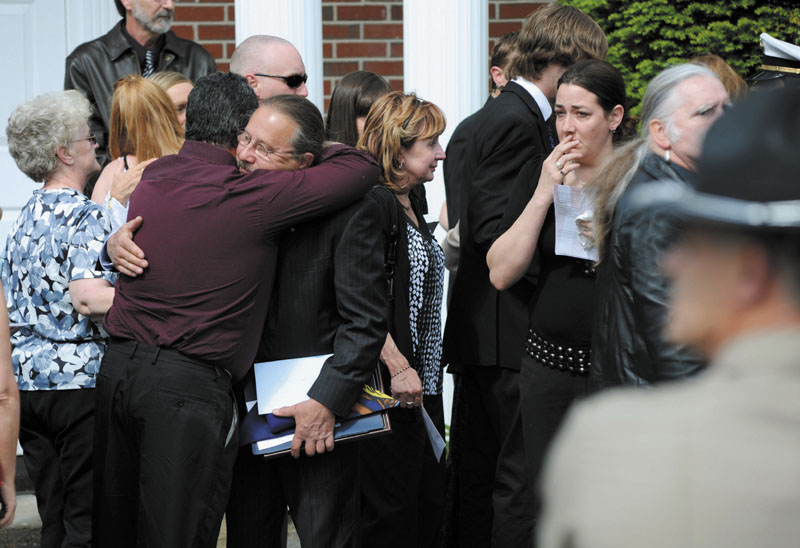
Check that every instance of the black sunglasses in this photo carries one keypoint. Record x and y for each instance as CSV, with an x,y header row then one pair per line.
x,y
294,81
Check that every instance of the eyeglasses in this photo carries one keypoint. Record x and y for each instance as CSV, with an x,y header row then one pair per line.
x,y
294,81
260,148
91,138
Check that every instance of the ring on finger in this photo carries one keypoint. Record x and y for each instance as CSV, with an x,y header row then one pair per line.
x,y
562,173
559,165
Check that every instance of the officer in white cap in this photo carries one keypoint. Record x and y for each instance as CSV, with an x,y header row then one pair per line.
x,y
780,65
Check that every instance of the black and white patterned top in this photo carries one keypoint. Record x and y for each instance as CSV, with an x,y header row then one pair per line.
x,y
426,285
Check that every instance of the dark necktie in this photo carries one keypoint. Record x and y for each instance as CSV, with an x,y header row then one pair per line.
x,y
149,67
550,133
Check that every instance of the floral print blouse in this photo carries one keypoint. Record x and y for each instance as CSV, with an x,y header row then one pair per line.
x,y
56,239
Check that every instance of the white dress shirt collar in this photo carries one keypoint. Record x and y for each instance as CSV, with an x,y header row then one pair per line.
x,y
538,96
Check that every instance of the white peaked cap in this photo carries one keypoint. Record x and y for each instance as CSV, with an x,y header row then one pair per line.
x,y
778,48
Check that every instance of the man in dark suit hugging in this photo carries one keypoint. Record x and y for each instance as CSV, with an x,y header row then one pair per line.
x,y
329,297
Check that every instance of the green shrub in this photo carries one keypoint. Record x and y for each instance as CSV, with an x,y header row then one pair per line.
x,y
645,37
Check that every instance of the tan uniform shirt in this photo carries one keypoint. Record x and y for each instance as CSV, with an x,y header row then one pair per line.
x,y
712,461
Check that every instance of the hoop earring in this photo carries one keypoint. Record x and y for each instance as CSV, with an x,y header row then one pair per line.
x,y
400,164
666,155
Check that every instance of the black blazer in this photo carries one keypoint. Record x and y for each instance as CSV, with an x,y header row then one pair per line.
x,y
457,165
329,297
485,326
379,211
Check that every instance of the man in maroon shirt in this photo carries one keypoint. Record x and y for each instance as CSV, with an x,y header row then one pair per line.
x,y
189,325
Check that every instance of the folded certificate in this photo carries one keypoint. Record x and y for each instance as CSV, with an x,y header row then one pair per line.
x,y
286,382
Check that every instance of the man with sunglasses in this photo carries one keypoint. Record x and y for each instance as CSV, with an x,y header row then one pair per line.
x,y
271,66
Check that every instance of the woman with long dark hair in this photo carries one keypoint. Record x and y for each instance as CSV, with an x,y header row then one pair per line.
x,y
590,119
350,102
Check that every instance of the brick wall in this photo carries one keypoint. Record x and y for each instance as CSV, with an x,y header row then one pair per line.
x,y
362,35
210,23
356,34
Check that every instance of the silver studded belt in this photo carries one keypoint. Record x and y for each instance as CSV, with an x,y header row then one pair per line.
x,y
572,359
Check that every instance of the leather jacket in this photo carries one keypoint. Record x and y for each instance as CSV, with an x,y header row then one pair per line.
x,y
627,331
95,66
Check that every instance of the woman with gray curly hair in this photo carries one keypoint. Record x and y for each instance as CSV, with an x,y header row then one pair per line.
x,y
58,298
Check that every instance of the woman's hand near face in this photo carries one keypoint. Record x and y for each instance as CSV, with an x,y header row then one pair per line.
x,y
560,163
510,254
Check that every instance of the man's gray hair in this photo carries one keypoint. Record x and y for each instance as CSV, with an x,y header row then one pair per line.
x,y
660,100
38,127
248,56
660,103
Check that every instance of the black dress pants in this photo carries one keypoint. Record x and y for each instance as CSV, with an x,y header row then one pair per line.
x,y
322,494
56,429
402,484
546,395
165,443
489,503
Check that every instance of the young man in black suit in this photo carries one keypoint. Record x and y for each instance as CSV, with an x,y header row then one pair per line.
x,y
486,328
457,164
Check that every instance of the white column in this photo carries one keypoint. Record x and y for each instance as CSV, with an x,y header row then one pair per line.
x,y
446,61
299,21
88,19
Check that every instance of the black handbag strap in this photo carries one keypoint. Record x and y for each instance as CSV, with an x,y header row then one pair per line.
x,y
390,260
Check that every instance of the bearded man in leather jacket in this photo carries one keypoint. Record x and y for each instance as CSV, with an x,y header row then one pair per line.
x,y
628,346
95,66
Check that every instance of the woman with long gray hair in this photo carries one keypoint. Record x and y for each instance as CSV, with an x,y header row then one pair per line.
x,y
679,106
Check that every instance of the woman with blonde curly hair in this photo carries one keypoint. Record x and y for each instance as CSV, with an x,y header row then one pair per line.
x,y
402,480
144,126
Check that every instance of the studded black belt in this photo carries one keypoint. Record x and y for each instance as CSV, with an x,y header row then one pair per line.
x,y
572,359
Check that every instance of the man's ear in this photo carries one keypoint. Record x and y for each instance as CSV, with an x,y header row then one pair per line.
x,y
754,275
498,77
252,81
658,132
305,160
65,155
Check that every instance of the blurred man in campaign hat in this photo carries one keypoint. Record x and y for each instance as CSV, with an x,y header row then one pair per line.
x,y
780,65
709,461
